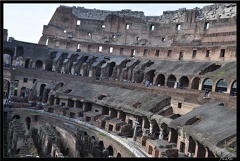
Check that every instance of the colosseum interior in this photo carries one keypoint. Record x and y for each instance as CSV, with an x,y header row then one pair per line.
x,y
121,84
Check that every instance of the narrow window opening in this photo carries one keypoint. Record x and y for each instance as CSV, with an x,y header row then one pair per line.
x,y
206,26
137,38
145,52
47,42
180,56
133,53
222,53
178,27
157,53
100,48
208,53
25,79
110,49
89,34
121,51
64,31
113,36
179,105
169,53
34,80
194,53
152,27
79,46
163,39
103,26
78,22
127,26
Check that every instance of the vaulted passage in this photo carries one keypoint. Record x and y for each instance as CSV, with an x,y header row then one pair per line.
x,y
171,81
207,84
160,80
221,86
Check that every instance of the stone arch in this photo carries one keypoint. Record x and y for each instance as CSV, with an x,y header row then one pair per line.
x,y
42,86
8,52
160,80
171,81
20,51
16,116
174,136
53,55
7,60
98,69
138,76
221,86
183,82
118,155
154,128
28,122
195,83
233,90
28,63
207,84
101,145
150,149
150,76
38,65
111,67
192,145
110,150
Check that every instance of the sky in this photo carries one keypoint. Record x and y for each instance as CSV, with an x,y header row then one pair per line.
x,y
24,21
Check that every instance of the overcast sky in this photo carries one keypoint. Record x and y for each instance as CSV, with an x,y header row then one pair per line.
x,y
25,21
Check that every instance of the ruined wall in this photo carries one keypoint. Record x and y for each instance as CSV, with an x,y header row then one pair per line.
x,y
126,30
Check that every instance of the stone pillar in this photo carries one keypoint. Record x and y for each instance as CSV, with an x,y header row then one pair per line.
x,y
143,123
200,84
90,73
176,84
196,150
118,114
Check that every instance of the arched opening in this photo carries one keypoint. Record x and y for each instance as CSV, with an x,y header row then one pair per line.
x,y
101,145
174,136
45,95
28,122
160,80
138,77
154,129
98,69
184,82
164,131
150,149
41,91
201,151
171,81
16,117
221,86
195,83
210,153
53,55
192,145
38,65
7,60
28,63
207,84
118,155
110,150
233,91
150,75
93,137
111,67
